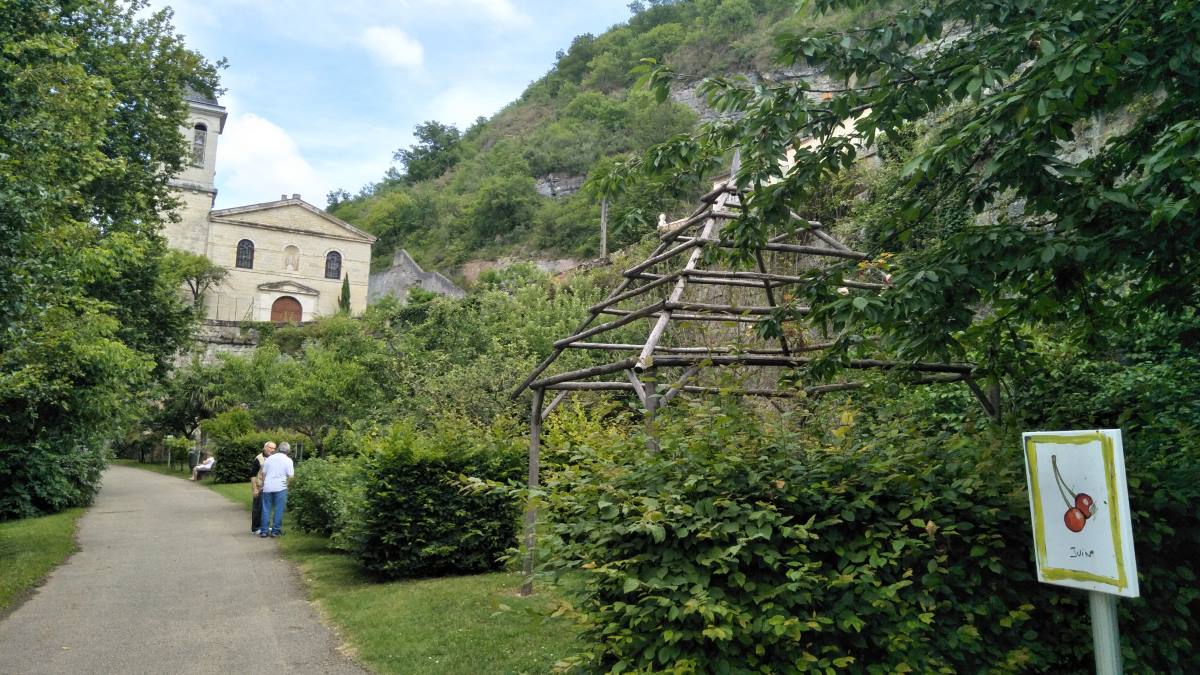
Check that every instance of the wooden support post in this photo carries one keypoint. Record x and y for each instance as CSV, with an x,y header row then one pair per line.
x,y
535,449
651,401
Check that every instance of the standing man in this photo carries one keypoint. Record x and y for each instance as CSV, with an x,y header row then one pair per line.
x,y
277,471
256,486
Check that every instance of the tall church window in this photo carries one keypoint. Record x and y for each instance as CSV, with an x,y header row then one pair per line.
x,y
333,265
199,137
245,254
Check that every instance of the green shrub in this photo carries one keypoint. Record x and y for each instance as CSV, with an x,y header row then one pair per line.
x,y
319,496
415,520
734,549
47,478
177,449
235,456
228,424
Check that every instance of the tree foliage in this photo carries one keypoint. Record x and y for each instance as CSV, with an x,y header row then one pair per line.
x,y
1067,128
92,100
434,153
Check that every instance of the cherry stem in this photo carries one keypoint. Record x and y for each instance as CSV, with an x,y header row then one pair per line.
x,y
1063,488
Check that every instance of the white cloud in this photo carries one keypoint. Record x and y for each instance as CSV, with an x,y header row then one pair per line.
x,y
502,11
257,161
393,46
462,103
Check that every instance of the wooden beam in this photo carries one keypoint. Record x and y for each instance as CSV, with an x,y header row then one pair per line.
x,y
688,374
627,347
753,359
729,309
785,248
697,217
630,317
813,390
554,404
666,255
633,293
637,387
739,318
779,279
585,372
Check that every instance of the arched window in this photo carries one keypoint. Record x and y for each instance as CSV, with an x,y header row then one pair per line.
x,y
199,136
245,254
333,265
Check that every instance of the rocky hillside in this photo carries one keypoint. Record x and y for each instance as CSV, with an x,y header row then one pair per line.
x,y
509,187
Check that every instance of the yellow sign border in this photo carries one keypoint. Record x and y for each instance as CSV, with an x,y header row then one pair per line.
x,y
1039,523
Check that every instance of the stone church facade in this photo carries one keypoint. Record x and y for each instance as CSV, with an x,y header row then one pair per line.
x,y
286,259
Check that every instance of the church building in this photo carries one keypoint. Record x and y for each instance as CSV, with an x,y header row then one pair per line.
x,y
286,259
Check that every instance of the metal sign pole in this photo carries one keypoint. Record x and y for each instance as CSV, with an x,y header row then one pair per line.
x,y
1106,637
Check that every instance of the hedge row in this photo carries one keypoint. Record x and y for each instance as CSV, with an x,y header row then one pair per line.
x,y
235,455
399,506
735,550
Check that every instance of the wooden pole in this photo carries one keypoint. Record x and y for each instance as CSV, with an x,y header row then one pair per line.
x,y
535,448
604,229
554,404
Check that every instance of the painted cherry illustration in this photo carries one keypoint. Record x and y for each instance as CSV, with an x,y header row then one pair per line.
x,y
1080,506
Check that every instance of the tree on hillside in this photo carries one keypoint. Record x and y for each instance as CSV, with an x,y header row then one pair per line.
x,y
1066,130
434,153
92,101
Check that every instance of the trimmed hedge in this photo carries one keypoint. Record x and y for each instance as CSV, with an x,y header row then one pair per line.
x,y
320,495
415,519
734,550
235,456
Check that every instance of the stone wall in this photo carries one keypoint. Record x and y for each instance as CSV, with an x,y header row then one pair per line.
x,y
223,337
404,274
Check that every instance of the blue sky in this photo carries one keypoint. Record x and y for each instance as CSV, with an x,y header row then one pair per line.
x,y
322,92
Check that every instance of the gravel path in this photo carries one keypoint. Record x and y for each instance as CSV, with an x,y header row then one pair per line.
x,y
168,579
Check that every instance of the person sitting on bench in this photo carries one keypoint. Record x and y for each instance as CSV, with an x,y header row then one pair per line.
x,y
203,467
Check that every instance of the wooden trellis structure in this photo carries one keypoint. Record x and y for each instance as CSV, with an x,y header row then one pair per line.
x,y
677,289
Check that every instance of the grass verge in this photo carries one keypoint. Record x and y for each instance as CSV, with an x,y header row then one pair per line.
x,y
29,549
470,624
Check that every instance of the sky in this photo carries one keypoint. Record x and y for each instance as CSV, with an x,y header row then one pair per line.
x,y
321,93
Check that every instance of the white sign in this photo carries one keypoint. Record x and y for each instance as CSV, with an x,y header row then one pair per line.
x,y
1080,506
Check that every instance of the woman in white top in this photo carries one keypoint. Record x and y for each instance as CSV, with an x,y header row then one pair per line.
x,y
203,467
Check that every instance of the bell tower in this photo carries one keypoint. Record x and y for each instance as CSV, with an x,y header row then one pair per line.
x,y
195,184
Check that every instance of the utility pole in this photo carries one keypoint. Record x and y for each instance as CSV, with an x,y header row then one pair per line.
x,y
604,229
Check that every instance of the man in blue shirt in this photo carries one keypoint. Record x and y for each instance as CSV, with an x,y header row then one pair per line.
x,y
277,471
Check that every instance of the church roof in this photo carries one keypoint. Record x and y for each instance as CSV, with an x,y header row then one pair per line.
x,y
195,96
349,231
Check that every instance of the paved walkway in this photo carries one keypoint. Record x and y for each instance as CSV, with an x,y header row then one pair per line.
x,y
168,579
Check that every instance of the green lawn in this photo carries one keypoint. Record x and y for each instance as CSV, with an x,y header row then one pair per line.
x,y
471,624
29,549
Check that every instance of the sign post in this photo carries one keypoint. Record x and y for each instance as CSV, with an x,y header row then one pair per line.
x,y
1082,533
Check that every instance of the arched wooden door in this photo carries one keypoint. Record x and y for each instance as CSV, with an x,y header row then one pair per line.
x,y
286,308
